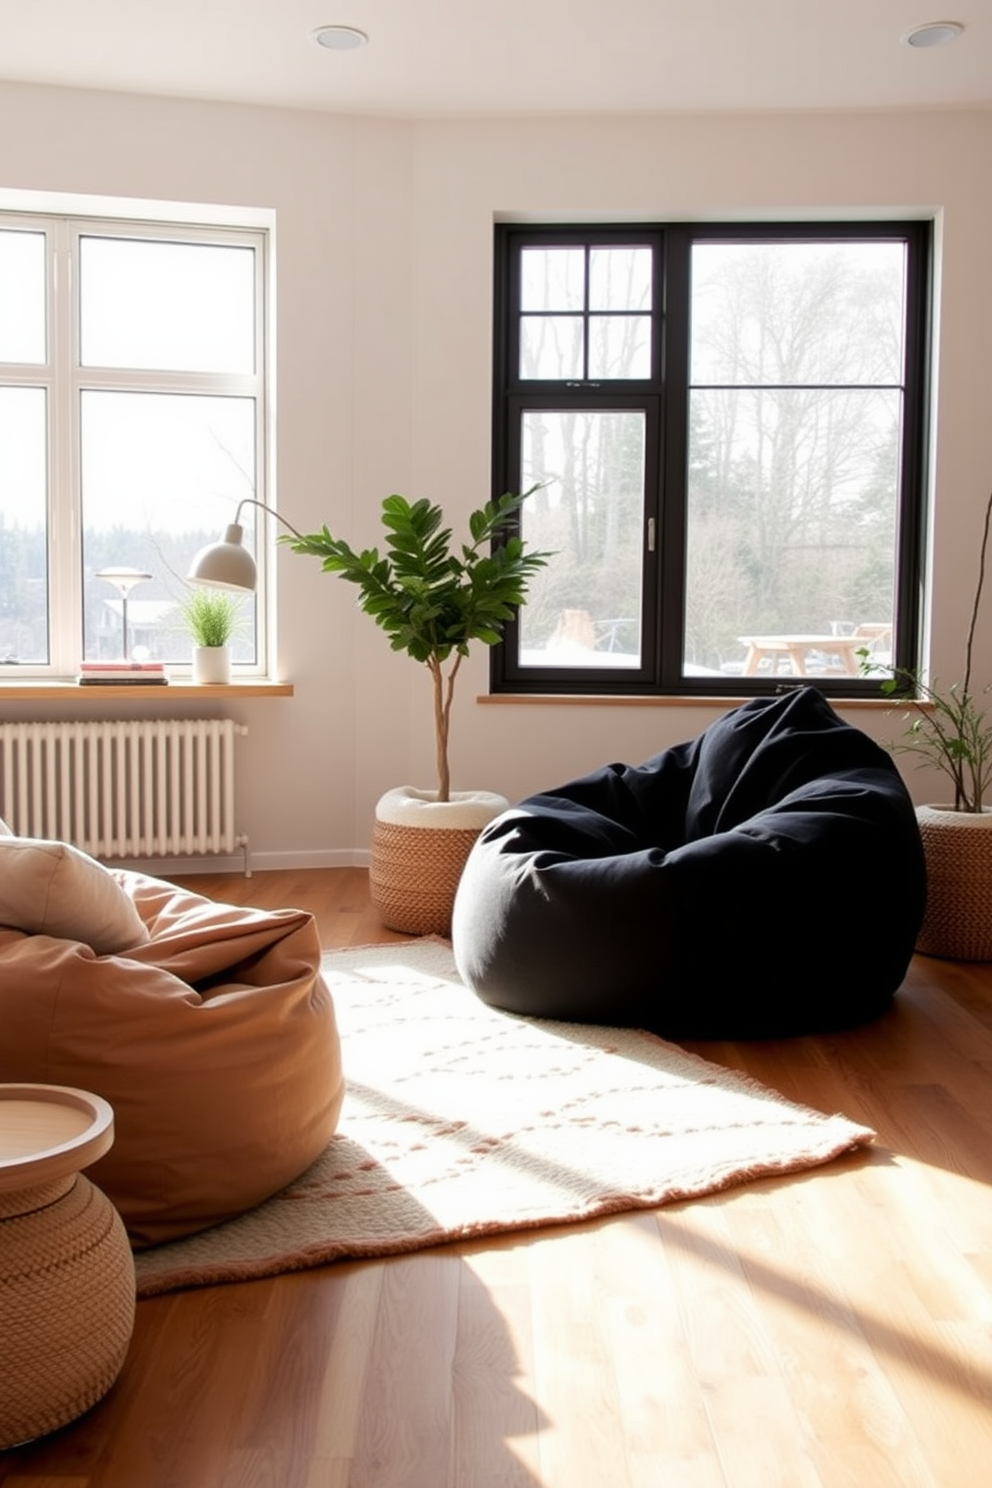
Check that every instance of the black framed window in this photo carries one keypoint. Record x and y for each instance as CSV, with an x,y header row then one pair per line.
x,y
726,426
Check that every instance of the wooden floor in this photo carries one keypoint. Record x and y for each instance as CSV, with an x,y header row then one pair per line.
x,y
831,1330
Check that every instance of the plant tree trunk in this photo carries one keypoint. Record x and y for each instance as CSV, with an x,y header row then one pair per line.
x,y
444,688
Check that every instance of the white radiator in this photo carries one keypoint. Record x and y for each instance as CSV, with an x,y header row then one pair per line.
x,y
138,789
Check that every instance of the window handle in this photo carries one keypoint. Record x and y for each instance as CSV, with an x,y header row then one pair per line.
x,y
651,535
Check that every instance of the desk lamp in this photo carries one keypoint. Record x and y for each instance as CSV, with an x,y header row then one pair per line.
x,y
228,564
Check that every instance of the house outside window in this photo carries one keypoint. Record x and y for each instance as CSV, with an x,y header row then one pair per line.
x,y
132,421
725,425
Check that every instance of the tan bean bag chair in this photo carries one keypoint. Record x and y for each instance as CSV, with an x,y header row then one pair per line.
x,y
207,1027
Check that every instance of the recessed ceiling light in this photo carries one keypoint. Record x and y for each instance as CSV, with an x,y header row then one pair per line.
x,y
340,38
934,33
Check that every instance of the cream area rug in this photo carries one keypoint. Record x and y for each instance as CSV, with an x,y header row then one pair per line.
x,y
462,1121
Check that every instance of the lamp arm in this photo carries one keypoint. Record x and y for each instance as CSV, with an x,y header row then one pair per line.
x,y
251,501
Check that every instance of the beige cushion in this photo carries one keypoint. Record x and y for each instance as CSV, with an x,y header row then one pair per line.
x,y
4,829
50,888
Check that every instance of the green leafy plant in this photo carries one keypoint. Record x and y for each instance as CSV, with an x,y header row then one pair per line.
x,y
212,616
948,729
434,598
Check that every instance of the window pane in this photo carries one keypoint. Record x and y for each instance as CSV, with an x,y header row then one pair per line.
x,y
620,278
161,477
552,278
797,313
23,526
792,529
551,346
180,307
584,609
619,346
22,297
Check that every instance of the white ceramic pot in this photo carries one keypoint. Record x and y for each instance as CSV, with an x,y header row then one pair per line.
x,y
957,846
419,848
211,665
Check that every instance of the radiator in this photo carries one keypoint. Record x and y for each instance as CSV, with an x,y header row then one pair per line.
x,y
137,789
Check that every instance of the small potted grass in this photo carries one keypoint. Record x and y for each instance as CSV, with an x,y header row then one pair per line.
x,y
212,617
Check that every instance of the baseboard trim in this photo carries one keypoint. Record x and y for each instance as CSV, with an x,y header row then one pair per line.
x,y
261,862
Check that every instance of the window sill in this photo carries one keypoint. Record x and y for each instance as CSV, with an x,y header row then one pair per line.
x,y
42,691
659,700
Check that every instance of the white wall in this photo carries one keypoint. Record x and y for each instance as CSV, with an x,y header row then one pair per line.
x,y
384,306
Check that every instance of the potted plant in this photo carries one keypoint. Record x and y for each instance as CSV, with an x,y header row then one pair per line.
x,y
212,617
949,730
433,598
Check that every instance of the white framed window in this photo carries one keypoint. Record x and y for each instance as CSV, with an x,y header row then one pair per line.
x,y
133,419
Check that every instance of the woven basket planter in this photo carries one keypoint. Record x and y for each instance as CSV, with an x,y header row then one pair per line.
x,y
66,1305
958,850
419,848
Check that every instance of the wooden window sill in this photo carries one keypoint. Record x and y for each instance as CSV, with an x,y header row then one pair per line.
x,y
60,692
660,700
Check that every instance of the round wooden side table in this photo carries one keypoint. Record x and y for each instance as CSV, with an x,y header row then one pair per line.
x,y
66,1269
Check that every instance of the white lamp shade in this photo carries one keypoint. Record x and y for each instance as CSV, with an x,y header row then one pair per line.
x,y
226,564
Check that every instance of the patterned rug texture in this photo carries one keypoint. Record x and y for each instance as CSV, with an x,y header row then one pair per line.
x,y
461,1121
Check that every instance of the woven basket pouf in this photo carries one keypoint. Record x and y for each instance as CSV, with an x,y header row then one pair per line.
x,y
66,1307
67,1288
958,850
419,847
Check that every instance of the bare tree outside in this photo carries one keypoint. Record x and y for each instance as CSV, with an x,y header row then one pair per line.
x,y
795,410
590,515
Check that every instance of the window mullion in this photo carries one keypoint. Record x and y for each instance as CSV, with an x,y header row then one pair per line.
x,y
586,315
671,581
111,379
265,489
65,534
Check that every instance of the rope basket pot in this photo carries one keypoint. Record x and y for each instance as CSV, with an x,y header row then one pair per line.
x,y
66,1308
958,850
419,847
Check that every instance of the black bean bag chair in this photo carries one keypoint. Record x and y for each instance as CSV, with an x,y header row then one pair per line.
x,y
764,879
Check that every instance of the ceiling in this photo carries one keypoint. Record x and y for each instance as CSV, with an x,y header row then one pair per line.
x,y
445,57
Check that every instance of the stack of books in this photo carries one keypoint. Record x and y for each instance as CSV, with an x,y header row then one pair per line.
x,y
122,673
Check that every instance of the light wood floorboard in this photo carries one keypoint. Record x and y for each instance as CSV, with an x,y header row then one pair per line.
x,y
827,1330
